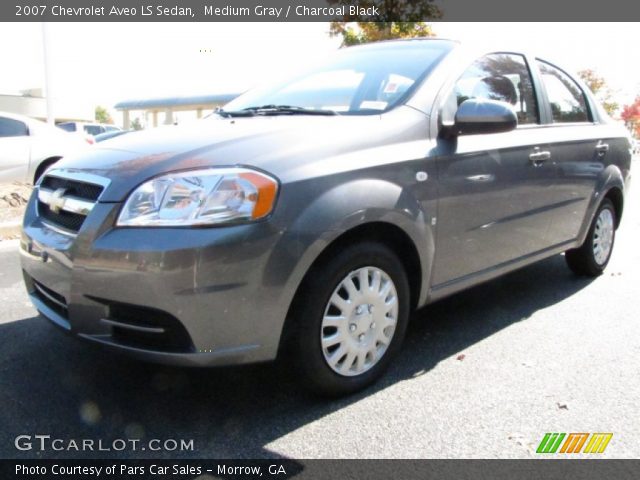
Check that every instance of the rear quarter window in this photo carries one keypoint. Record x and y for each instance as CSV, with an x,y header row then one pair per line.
x,y
567,101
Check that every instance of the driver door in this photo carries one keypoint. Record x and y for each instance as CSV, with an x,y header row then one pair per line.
x,y
494,195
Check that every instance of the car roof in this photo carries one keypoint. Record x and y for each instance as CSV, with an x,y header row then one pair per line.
x,y
462,49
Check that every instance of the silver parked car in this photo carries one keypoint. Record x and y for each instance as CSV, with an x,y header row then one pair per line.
x,y
308,218
88,128
28,147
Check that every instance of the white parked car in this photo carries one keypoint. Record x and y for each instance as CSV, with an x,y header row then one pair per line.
x,y
90,128
28,147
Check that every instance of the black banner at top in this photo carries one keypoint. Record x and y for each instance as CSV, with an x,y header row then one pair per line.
x,y
317,10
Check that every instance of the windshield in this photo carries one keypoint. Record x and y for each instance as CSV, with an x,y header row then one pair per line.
x,y
360,80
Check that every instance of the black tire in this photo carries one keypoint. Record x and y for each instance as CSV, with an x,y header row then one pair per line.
x,y
582,261
308,360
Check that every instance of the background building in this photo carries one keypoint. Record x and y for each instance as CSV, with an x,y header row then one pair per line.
x,y
32,103
151,108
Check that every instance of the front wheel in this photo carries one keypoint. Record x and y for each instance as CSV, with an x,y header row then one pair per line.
x,y
350,319
592,257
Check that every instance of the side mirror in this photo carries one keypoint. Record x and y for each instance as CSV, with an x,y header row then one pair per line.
x,y
475,116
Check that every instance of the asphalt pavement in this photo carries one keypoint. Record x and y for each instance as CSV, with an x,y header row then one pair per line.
x,y
483,374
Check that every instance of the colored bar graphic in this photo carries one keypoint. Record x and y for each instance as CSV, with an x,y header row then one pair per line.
x,y
598,442
540,448
581,443
547,449
558,442
550,442
606,442
574,442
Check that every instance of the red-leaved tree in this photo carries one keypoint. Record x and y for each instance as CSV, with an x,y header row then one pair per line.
x,y
631,116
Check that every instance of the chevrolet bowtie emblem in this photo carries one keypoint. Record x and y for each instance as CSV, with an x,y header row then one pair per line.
x,y
56,200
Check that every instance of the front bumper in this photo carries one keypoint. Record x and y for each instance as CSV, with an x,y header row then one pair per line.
x,y
177,296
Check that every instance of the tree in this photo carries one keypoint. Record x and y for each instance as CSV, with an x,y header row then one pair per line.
x,y
631,116
384,28
135,124
600,89
365,32
102,115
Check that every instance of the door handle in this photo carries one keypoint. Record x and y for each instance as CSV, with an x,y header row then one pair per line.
x,y
538,157
481,178
602,148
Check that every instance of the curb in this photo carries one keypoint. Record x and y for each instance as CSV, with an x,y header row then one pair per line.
x,y
10,229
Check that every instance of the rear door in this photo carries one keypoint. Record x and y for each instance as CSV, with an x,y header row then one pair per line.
x,y
14,150
579,147
494,204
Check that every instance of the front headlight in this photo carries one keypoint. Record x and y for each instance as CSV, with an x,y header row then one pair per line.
x,y
200,197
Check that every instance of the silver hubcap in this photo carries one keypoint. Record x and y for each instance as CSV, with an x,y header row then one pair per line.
x,y
359,321
603,236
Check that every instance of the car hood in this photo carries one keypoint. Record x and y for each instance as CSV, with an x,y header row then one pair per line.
x,y
276,144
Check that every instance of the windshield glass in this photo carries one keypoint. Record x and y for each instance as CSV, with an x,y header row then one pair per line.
x,y
359,80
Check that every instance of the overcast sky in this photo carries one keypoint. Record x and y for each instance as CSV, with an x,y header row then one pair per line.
x,y
108,62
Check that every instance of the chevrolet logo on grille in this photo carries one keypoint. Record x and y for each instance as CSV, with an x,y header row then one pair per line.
x,y
60,199
57,200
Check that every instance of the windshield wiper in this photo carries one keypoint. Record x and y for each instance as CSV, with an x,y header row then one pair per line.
x,y
237,113
274,110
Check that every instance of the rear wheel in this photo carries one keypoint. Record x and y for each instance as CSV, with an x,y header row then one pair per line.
x,y
592,257
350,319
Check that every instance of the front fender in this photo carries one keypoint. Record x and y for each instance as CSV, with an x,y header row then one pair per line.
x,y
338,210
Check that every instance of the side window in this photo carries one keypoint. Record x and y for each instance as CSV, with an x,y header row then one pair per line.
x,y
567,100
92,129
12,128
504,77
68,127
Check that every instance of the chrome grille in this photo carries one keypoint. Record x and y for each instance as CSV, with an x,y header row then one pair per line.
x,y
74,188
67,220
66,198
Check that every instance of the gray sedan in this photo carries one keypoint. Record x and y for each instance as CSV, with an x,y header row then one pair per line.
x,y
309,217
